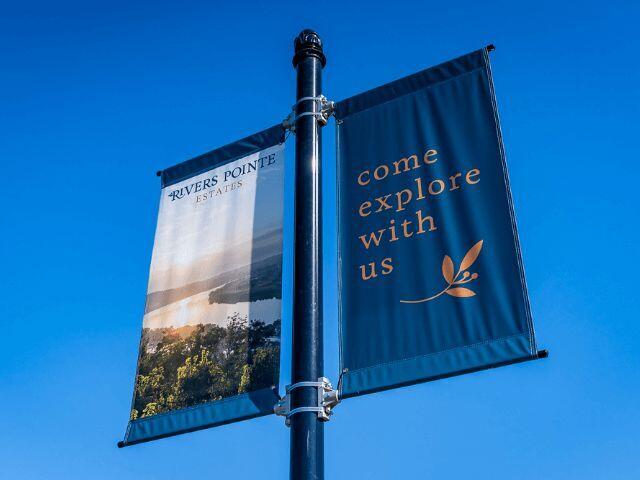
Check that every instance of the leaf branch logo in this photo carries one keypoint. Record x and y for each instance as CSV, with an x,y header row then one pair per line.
x,y
460,277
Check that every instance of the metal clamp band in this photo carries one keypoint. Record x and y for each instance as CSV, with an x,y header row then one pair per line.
x,y
293,386
304,409
320,99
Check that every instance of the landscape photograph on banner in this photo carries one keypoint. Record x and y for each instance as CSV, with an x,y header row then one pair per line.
x,y
211,327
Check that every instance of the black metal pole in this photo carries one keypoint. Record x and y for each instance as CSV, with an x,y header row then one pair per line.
x,y
307,432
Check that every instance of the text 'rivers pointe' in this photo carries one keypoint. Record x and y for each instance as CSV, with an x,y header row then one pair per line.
x,y
230,174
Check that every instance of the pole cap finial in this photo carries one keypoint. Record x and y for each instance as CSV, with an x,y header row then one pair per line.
x,y
308,44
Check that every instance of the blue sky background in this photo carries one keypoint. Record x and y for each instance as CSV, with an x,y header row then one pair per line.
x,y
97,96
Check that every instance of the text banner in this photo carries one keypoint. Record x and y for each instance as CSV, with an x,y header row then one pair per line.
x,y
431,279
210,347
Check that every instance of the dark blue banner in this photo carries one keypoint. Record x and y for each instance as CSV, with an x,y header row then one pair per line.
x,y
431,276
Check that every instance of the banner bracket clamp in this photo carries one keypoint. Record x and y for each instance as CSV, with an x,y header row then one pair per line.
x,y
327,109
327,399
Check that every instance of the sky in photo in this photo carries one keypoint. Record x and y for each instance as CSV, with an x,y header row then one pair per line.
x,y
97,96
210,232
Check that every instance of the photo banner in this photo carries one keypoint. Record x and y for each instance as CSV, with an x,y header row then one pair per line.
x,y
431,278
210,346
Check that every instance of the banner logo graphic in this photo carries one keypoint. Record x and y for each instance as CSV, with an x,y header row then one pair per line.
x,y
461,276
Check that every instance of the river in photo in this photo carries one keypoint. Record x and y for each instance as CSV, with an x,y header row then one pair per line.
x,y
196,310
